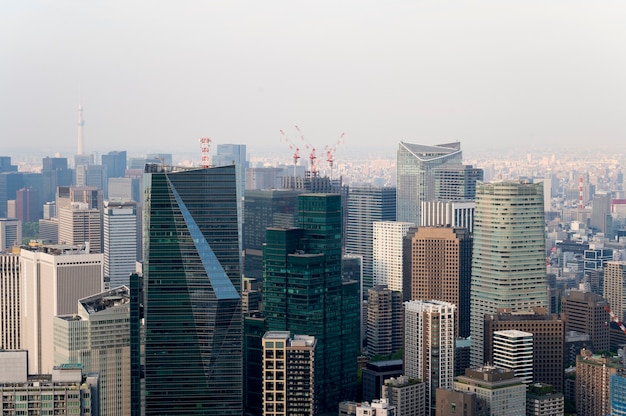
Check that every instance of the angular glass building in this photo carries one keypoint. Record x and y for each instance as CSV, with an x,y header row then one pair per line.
x,y
192,282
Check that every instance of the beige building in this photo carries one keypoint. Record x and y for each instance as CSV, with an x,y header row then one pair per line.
x,y
503,393
53,279
615,287
593,377
98,337
80,224
407,395
10,333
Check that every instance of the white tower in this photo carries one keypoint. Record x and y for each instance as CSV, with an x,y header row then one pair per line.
x,y
80,150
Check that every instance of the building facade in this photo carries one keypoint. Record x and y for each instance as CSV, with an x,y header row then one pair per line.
x,y
10,295
10,233
388,246
585,312
615,287
120,241
513,350
449,214
503,393
593,381
385,321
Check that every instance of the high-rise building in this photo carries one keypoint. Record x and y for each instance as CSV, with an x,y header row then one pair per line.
x,y
27,205
80,224
451,401
407,395
615,287
502,392
415,175
115,164
548,341
254,329
508,261
449,214
55,173
374,375
601,212
303,292
387,252
192,283
90,195
10,233
10,321
366,205
438,265
543,399
264,209
429,345
585,312
120,241
593,382
456,182
98,338
53,278
513,349
385,321
618,393
92,176
289,374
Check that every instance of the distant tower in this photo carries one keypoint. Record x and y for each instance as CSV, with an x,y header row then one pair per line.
x,y
80,149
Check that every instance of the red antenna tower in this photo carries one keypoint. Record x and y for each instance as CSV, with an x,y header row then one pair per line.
x,y
205,145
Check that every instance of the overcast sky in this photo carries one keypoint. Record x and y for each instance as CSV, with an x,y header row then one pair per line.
x,y
158,75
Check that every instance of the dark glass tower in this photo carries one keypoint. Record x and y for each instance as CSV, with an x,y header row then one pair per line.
x,y
193,321
303,292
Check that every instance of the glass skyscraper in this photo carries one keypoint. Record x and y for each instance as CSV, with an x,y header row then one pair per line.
x,y
508,260
192,283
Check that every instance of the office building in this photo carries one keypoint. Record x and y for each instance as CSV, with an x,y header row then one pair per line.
x,y
407,395
253,331
601,219
429,344
49,231
618,393
192,287
438,265
264,209
448,214
366,205
263,178
10,294
55,173
91,176
415,175
548,341
503,393
374,375
80,224
388,245
27,205
543,399
456,182
467,403
122,189
92,196
63,391
513,350
98,338
508,261
54,278
593,381
303,292
615,287
120,241
585,312
289,374
115,164
385,321
10,233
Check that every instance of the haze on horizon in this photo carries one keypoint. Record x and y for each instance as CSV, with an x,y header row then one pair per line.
x,y
155,76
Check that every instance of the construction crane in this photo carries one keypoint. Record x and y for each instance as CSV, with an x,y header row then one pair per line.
x,y
615,319
296,150
330,153
312,156
204,145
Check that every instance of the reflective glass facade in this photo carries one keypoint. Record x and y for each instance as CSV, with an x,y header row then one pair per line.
x,y
192,282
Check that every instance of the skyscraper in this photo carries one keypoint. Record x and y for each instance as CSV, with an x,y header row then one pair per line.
x,y
10,314
115,164
593,383
303,292
585,312
120,241
508,261
415,175
366,205
429,345
438,265
388,246
615,287
80,224
10,233
513,349
192,283
385,321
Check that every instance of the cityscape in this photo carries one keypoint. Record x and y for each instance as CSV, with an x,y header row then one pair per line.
x,y
312,208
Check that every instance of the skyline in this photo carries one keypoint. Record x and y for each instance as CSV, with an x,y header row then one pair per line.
x,y
157,77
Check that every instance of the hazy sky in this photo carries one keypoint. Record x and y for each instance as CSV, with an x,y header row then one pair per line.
x,y
158,75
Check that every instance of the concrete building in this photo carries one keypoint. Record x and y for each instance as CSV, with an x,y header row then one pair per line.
x,y
80,224
385,321
449,214
502,392
615,287
10,294
28,205
429,345
438,265
407,395
387,252
120,241
508,261
593,380
513,350
53,278
548,341
98,338
10,233
290,386
544,400
585,312
374,375
466,403
618,393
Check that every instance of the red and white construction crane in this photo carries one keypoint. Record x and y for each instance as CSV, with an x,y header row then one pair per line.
x,y
330,153
205,146
615,319
296,150
312,156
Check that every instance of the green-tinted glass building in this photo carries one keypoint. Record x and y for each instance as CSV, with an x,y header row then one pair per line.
x,y
192,283
303,293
